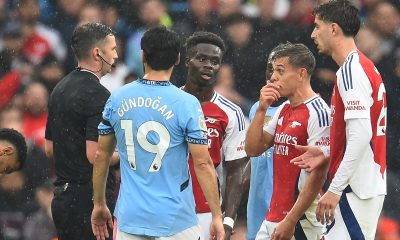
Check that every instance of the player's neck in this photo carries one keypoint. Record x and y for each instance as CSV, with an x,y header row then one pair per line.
x,y
163,75
343,49
202,93
300,96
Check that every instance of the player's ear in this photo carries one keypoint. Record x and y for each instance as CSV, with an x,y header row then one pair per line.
x,y
335,28
94,53
303,74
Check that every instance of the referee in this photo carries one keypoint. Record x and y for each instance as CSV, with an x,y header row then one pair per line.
x,y
75,111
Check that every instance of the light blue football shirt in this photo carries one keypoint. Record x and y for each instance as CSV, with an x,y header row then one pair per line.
x,y
153,122
260,192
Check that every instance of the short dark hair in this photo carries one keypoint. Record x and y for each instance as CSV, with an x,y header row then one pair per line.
x,y
87,36
16,139
204,37
299,55
341,12
270,59
160,47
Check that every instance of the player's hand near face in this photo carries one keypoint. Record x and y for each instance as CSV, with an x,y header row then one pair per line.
x,y
268,94
326,207
101,216
284,230
217,229
311,159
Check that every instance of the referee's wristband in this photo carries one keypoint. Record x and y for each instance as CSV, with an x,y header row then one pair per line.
x,y
228,222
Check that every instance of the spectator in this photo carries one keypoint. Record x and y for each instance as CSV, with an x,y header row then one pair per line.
x,y
35,99
40,40
151,14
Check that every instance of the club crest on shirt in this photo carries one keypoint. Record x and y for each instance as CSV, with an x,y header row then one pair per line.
x,y
295,124
211,120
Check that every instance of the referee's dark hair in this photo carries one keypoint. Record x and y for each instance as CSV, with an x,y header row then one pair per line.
x,y
15,138
160,47
341,12
204,37
88,36
298,56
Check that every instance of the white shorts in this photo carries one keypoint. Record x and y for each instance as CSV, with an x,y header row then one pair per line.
x,y
205,220
355,218
304,231
187,234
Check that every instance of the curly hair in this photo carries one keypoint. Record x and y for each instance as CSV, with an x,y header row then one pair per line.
x,y
15,138
204,37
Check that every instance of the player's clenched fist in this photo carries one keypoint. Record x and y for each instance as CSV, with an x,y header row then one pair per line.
x,y
268,94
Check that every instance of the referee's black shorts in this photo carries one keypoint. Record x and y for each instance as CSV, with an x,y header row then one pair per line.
x,y
72,209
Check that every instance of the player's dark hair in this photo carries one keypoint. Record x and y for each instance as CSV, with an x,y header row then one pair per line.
x,y
160,47
88,36
270,58
299,56
16,139
341,12
204,37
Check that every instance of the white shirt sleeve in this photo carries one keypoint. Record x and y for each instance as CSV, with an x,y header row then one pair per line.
x,y
355,90
234,139
358,135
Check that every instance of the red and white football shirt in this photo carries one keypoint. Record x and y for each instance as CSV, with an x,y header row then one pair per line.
x,y
226,134
306,124
359,93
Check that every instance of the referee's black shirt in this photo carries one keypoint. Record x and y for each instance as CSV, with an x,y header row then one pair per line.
x,y
75,111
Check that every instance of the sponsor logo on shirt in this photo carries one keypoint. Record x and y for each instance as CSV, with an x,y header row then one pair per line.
x,y
281,142
241,147
212,133
323,141
285,138
354,105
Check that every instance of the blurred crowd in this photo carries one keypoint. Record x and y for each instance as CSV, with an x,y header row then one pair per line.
x,y
35,54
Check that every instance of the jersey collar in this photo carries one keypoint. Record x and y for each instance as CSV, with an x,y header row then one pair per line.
x,y
153,82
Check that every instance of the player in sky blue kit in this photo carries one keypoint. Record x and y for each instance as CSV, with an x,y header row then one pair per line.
x,y
260,170
155,125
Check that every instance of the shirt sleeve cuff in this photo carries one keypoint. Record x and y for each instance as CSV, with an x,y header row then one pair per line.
x,y
335,190
326,151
